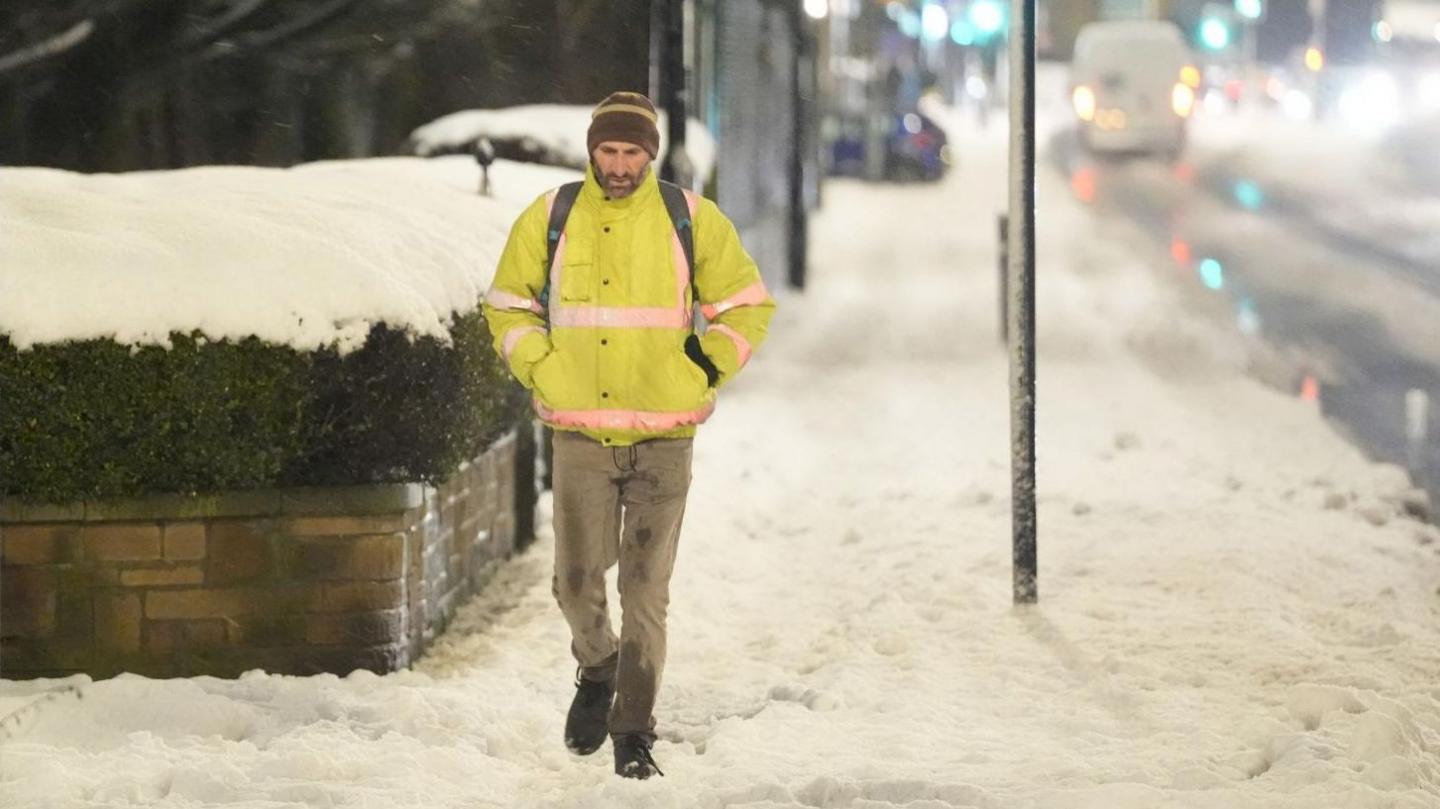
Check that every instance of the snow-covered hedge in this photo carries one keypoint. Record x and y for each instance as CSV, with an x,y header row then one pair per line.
x,y
233,328
96,419
551,134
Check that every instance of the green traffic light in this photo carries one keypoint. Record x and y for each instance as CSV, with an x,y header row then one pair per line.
x,y
1250,9
1214,33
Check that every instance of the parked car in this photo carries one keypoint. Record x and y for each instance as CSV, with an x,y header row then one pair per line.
x,y
915,148
1133,85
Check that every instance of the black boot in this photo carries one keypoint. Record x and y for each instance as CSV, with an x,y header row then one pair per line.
x,y
589,720
632,757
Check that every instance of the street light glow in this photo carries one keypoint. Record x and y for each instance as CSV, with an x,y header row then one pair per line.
x,y
987,16
934,22
1250,9
817,9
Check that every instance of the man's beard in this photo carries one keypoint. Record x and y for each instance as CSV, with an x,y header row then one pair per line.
x,y
625,189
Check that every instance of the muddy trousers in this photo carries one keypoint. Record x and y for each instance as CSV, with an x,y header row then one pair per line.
x,y
619,505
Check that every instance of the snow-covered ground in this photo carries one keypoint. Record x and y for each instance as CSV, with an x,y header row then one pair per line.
x,y
1377,188
1233,613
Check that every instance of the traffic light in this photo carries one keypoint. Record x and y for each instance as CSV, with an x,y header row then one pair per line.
x,y
1215,27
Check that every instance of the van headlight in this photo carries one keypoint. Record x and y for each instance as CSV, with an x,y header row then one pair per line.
x,y
1084,100
1182,99
1371,103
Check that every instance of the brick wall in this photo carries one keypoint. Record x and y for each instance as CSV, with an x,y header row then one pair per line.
x,y
292,581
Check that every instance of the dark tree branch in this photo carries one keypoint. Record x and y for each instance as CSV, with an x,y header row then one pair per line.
x,y
54,46
261,40
223,25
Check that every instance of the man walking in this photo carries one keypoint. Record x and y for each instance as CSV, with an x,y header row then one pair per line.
x,y
592,309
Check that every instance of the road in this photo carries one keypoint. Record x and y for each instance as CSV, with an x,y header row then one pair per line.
x,y
1358,314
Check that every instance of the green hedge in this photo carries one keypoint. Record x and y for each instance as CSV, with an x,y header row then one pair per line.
x,y
96,419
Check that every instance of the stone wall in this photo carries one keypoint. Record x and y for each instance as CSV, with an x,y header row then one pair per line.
x,y
294,581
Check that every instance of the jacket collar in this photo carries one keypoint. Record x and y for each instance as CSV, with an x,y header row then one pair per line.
x,y
595,193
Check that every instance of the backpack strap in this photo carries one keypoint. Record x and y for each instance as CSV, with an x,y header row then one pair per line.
x,y
679,209
565,197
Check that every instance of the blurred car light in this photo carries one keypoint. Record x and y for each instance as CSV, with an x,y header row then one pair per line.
x,y
1428,92
1084,100
1190,75
1372,102
1082,182
1180,251
1182,99
1297,104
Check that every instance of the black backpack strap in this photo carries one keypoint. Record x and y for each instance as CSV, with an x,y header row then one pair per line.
x,y
679,210
565,197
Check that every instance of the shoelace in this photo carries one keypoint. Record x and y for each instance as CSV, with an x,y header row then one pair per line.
x,y
645,754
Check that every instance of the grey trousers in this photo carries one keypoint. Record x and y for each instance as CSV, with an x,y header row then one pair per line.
x,y
625,505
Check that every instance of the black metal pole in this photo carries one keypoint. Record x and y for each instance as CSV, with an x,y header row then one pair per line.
x,y
668,50
1022,298
798,220
1002,222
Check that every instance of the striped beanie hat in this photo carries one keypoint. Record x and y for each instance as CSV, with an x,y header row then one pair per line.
x,y
624,117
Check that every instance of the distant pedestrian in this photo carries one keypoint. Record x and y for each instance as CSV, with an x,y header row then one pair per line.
x,y
592,308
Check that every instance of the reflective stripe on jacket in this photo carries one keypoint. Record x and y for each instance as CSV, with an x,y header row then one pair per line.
x,y
607,357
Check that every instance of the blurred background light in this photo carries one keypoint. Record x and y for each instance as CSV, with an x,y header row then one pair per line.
x,y
934,22
1296,104
817,9
1247,319
1249,195
1212,274
1427,93
1371,103
988,16
909,23
1082,182
1214,34
1180,251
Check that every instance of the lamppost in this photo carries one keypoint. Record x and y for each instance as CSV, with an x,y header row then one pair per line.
x,y
667,85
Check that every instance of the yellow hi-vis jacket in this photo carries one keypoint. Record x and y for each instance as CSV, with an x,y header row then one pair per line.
x,y
607,359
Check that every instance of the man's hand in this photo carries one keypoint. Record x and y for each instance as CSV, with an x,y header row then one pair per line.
x,y
692,350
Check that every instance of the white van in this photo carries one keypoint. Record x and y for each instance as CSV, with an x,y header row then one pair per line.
x,y
1133,86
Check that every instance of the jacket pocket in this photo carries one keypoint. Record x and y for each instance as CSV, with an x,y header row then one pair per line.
x,y
577,280
543,379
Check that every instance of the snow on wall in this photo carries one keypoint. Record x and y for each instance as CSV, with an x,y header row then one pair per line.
x,y
305,257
